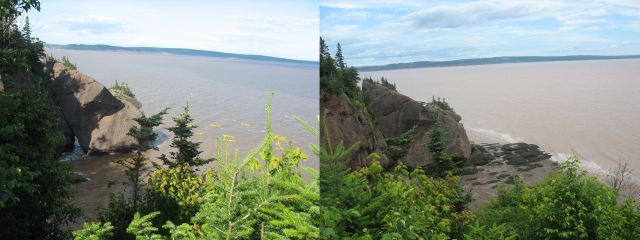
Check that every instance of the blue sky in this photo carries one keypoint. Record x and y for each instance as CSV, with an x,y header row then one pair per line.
x,y
374,32
278,28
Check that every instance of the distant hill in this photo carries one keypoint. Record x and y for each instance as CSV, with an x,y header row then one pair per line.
x,y
492,60
177,51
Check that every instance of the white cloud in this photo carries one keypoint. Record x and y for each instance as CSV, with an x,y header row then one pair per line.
x,y
433,30
370,4
281,29
452,16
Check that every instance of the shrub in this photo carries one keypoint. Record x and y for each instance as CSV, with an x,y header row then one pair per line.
x,y
121,88
439,104
263,195
569,204
374,204
397,146
68,64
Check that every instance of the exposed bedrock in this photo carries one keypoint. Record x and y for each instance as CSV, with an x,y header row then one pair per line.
x,y
395,114
347,124
98,119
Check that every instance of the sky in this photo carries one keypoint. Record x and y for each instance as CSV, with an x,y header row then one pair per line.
x,y
278,28
376,32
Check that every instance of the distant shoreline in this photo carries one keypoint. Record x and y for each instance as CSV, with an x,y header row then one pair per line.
x,y
490,61
177,51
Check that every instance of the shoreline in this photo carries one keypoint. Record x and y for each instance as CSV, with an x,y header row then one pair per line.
x,y
492,169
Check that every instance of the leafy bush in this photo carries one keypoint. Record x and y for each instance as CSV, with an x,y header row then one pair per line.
x,y
568,204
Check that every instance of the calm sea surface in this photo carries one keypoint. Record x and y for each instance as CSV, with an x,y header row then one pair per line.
x,y
226,96
590,107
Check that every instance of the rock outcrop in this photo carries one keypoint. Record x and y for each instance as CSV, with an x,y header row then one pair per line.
x,y
99,120
395,114
347,124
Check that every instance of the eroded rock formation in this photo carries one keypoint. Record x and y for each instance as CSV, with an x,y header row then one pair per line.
x,y
347,124
395,114
98,119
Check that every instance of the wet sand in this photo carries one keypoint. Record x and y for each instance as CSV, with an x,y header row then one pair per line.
x,y
91,194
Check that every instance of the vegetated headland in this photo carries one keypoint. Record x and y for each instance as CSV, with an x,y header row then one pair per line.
x,y
399,168
490,60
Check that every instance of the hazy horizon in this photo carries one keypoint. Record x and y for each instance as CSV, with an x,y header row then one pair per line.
x,y
283,28
48,45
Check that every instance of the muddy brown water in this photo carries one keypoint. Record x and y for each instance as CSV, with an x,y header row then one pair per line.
x,y
590,107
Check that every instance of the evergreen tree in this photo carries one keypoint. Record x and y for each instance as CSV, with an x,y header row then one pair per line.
x,y
34,186
327,69
324,50
188,152
340,58
144,135
438,146
26,29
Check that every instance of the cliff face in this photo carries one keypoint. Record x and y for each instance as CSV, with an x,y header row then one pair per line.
x,y
396,114
99,120
345,123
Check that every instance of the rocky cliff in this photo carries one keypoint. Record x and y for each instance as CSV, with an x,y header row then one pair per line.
x,y
396,114
347,124
99,120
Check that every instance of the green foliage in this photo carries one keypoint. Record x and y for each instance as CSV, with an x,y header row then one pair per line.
x,y
568,204
120,88
187,151
142,228
440,104
397,146
94,231
374,204
176,193
437,144
383,82
335,76
144,135
631,224
69,64
118,213
35,186
262,196
494,232
119,208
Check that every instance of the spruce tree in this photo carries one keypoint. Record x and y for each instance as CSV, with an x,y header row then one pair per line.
x,y
134,165
188,152
340,58
324,50
26,29
438,146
